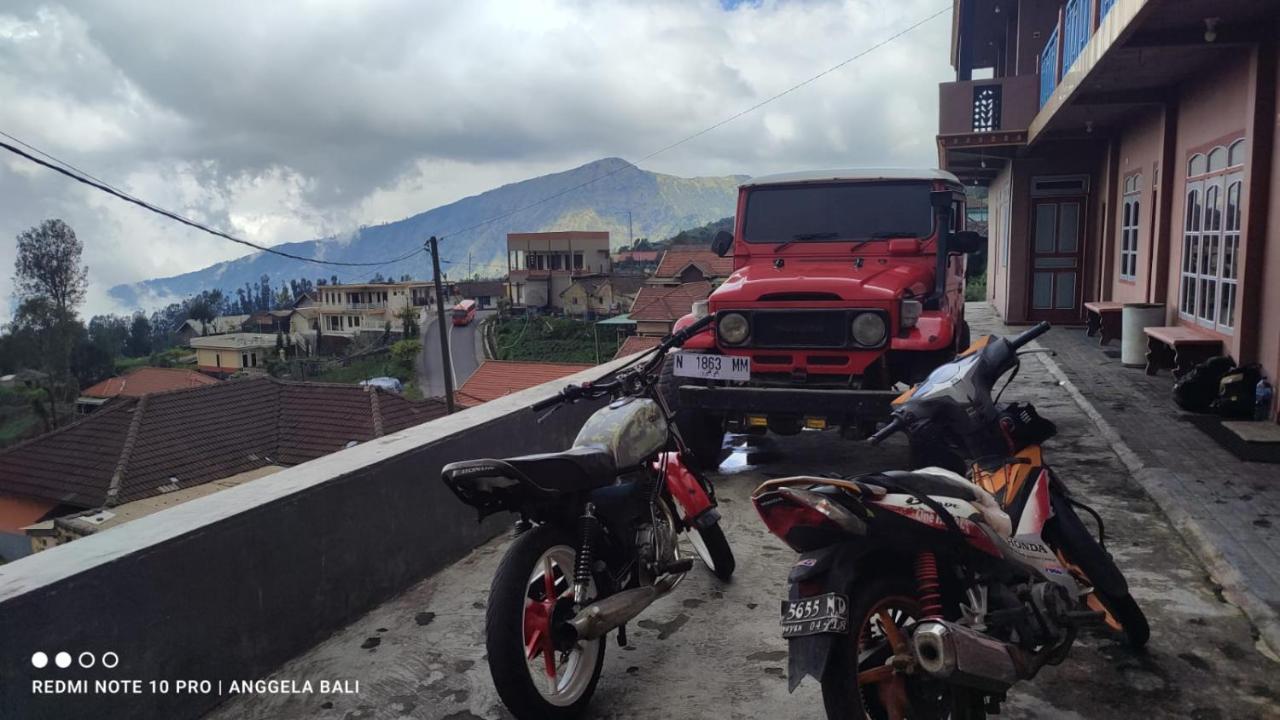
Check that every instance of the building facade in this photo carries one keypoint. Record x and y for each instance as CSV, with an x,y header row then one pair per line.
x,y
354,308
233,352
1129,151
541,266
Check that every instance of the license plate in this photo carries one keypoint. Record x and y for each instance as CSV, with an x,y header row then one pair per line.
x,y
827,613
711,367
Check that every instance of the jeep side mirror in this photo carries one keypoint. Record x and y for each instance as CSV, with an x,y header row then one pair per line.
x,y
722,243
966,241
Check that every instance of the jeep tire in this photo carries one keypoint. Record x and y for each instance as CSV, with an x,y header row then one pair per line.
x,y
703,432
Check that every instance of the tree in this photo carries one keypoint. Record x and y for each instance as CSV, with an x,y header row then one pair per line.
x,y
408,317
283,299
90,364
139,343
48,265
109,333
404,357
200,309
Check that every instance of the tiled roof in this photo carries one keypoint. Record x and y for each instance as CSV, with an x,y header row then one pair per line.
x,y
481,288
678,258
635,344
626,284
667,303
145,381
133,447
495,378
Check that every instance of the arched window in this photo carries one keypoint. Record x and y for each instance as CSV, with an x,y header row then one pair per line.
x,y
1217,159
1197,165
1130,222
1235,156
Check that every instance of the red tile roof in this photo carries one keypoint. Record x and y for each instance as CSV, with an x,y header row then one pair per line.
x,y
495,378
635,344
678,258
132,448
147,380
667,303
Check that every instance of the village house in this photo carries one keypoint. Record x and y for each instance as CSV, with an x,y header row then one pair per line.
x,y
222,355
484,292
686,264
143,381
1129,147
657,307
139,455
541,266
350,309
600,294
222,324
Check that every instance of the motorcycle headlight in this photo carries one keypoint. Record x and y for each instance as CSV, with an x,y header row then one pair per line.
x,y
868,329
733,328
909,314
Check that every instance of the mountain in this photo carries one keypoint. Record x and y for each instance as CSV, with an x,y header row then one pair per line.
x,y
660,205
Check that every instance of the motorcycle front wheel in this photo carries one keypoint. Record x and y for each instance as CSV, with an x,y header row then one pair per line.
x,y
539,670
712,547
860,684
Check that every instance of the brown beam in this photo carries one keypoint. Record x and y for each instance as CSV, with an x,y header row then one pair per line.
x,y
1260,134
1149,96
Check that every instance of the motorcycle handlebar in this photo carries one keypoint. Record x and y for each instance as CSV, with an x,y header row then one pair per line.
x,y
1028,335
883,433
573,392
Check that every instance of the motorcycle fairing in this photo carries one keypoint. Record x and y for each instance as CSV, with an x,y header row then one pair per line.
x,y
686,489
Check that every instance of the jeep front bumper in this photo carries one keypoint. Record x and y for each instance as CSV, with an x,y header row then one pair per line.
x,y
834,407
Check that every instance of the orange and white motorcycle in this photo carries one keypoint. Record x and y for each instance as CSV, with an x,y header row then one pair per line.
x,y
927,594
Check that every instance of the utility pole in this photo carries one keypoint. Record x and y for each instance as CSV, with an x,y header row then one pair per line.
x,y
468,264
446,361
631,235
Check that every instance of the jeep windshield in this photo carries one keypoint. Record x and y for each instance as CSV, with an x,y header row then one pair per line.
x,y
838,212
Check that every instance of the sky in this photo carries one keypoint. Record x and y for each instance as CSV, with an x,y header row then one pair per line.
x,y
296,119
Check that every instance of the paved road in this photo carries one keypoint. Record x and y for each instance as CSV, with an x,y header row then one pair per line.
x,y
464,348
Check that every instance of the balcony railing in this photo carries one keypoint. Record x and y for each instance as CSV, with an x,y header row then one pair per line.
x,y
1077,30
1049,68
1106,8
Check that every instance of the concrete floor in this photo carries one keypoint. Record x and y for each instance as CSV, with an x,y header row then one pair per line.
x,y
710,650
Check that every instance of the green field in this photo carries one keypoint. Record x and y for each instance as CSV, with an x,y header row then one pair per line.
x,y
552,340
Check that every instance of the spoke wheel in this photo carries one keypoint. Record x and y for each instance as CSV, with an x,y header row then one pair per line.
x,y
539,667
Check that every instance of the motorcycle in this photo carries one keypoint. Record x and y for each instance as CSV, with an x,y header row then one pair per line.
x,y
597,540
926,594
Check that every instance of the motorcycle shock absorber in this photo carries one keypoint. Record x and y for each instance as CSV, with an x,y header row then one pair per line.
x,y
927,585
589,529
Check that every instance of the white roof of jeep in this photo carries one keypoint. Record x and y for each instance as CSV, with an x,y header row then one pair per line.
x,y
847,174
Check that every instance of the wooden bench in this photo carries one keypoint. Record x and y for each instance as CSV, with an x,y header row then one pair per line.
x,y
1103,318
1179,347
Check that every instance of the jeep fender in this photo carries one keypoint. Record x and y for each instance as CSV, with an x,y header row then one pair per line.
x,y
703,341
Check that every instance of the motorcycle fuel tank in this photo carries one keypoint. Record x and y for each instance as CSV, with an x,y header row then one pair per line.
x,y
631,429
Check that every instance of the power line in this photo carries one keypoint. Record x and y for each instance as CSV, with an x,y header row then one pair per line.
x,y
87,179
706,130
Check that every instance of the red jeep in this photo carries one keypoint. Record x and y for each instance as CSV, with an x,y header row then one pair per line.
x,y
844,284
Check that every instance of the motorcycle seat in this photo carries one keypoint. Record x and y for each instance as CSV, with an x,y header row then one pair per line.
x,y
574,470
933,483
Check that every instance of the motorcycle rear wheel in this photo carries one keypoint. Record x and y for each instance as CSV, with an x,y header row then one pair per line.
x,y
858,685
519,622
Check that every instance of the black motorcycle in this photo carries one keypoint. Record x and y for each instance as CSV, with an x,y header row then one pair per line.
x,y
597,539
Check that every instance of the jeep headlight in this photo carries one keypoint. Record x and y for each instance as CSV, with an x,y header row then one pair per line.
x,y
733,328
868,329
909,313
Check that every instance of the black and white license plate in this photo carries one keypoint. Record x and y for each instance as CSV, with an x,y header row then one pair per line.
x,y
711,367
827,613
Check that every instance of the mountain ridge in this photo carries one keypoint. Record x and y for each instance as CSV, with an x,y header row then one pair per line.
x,y
600,192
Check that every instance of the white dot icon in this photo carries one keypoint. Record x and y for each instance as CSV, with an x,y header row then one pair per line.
x,y
62,659
39,659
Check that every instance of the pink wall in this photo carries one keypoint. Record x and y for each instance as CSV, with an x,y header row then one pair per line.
x,y
1269,321
1213,107
1139,153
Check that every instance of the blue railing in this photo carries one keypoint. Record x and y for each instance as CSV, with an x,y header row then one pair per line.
x,y
1076,31
1049,68
1106,7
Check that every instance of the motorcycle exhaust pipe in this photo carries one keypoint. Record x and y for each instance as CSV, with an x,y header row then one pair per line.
x,y
600,617
967,657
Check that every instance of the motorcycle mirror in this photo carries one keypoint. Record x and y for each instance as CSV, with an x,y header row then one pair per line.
x,y
722,243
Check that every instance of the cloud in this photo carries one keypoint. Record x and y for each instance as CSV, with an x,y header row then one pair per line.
x,y
290,120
